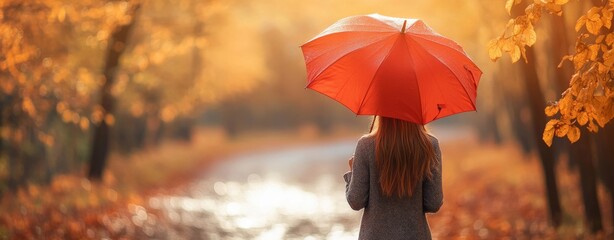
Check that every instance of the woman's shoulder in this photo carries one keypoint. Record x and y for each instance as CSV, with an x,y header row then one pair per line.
x,y
365,141
369,137
433,139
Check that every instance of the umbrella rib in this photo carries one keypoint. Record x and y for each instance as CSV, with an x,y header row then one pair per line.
x,y
344,55
444,45
423,36
417,82
449,69
362,102
341,45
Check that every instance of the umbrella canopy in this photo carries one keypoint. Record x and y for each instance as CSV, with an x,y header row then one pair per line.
x,y
392,67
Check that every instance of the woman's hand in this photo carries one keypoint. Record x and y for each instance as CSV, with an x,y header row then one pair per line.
x,y
350,162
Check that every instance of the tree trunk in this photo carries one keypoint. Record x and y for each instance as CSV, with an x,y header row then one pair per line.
x,y
538,119
115,49
14,166
31,161
582,153
230,118
152,130
2,124
605,161
520,130
546,155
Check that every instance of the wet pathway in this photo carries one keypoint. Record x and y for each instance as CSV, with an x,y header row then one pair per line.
x,y
295,193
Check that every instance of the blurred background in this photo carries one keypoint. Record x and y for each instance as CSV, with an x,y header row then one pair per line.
x,y
190,119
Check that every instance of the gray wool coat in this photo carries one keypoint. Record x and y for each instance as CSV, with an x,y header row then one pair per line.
x,y
390,217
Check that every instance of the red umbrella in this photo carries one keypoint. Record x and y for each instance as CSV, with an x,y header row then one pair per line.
x,y
393,67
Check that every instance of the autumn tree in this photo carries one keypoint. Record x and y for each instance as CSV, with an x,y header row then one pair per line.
x,y
587,98
115,48
43,80
182,57
54,61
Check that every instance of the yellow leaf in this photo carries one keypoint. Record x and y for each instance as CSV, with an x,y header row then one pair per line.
x,y
553,8
582,118
606,17
508,6
518,27
551,124
547,137
592,127
573,134
549,132
533,11
573,112
593,51
593,13
601,68
564,105
599,38
581,22
580,58
494,51
608,58
551,110
561,2
515,54
510,23
507,45
594,25
609,39
529,35
562,130
601,120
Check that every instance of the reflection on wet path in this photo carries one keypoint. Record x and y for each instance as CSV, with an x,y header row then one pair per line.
x,y
288,194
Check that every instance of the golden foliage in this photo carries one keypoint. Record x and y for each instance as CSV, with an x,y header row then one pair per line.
x,y
181,55
39,74
589,100
177,65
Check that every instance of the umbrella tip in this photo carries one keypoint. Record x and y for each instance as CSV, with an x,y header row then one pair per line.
x,y
403,29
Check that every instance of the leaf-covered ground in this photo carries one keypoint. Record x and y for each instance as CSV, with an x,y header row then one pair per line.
x,y
494,192
491,192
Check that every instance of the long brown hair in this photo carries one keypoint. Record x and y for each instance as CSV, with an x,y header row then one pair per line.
x,y
404,155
